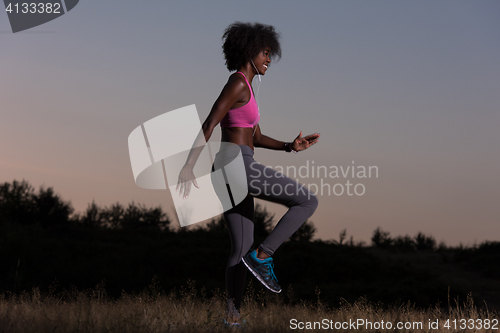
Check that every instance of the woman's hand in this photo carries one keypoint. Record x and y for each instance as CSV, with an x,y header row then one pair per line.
x,y
301,143
186,176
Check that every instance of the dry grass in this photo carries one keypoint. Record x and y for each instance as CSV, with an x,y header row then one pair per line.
x,y
151,312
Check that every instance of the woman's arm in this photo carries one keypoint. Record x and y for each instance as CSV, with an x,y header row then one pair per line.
x,y
229,95
227,98
263,141
300,143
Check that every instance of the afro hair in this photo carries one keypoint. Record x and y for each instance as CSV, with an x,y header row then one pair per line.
x,y
244,41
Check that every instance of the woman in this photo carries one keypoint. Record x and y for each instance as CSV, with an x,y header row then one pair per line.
x,y
249,48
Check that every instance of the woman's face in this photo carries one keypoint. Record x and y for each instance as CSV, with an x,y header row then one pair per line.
x,y
262,61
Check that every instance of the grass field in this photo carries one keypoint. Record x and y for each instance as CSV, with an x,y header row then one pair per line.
x,y
191,311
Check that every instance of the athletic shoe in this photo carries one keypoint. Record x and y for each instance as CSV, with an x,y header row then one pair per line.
x,y
262,269
233,317
231,313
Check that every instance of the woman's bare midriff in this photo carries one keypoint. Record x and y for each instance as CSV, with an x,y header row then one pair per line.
x,y
238,135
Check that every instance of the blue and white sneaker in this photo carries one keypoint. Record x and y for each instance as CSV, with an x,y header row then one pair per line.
x,y
262,269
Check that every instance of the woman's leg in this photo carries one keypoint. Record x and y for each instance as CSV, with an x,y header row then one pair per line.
x,y
268,184
239,222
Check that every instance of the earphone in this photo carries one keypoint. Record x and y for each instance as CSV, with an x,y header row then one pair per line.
x,y
260,81
256,69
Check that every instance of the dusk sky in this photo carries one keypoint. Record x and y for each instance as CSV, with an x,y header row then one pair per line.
x,y
411,87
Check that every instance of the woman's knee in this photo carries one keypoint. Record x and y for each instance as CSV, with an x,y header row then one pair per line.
x,y
308,202
312,203
240,244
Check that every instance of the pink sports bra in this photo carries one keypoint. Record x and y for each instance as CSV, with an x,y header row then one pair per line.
x,y
247,115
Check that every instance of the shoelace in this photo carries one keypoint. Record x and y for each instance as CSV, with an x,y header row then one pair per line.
x,y
270,266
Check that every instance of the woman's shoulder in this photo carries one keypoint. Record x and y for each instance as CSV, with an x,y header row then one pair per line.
x,y
236,82
237,77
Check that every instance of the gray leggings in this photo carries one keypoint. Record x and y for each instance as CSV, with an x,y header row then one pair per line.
x,y
267,184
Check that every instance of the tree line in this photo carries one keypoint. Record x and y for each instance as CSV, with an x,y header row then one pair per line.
x,y
45,244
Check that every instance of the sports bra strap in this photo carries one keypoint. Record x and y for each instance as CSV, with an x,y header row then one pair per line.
x,y
249,86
